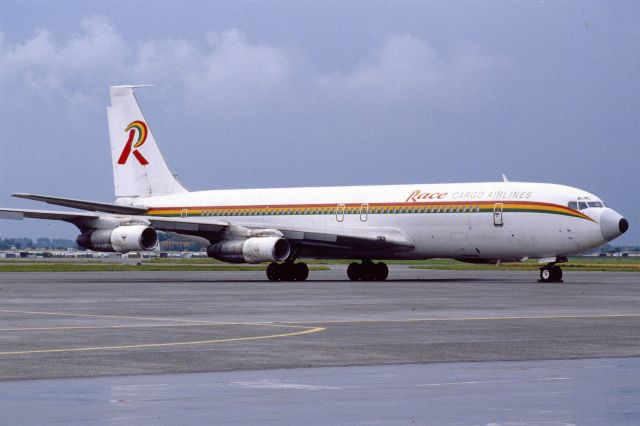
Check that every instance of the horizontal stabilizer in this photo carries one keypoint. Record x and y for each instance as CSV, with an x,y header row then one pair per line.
x,y
85,205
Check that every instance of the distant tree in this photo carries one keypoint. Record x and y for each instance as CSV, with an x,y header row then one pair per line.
x,y
44,243
63,244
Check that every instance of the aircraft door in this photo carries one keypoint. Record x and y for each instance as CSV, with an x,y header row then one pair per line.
x,y
183,213
364,212
497,214
340,213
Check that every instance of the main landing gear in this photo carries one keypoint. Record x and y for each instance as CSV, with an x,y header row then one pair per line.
x,y
287,271
367,271
551,274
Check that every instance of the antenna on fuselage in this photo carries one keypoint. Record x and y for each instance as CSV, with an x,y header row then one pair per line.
x,y
505,178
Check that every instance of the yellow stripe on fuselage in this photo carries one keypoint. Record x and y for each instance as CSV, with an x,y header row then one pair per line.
x,y
371,208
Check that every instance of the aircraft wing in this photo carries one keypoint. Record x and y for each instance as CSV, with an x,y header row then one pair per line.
x,y
179,225
19,214
365,239
352,238
189,226
349,238
84,205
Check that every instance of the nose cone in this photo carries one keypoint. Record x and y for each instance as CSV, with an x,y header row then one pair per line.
x,y
612,224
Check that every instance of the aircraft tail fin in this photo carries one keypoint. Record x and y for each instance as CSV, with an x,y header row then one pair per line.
x,y
139,169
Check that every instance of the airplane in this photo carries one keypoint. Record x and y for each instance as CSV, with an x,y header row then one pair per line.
x,y
488,222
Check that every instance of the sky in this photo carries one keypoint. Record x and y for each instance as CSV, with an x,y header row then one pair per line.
x,y
303,93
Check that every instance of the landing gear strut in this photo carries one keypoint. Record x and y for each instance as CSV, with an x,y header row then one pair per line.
x,y
367,271
551,274
287,271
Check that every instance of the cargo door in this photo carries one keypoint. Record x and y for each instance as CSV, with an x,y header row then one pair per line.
x,y
497,214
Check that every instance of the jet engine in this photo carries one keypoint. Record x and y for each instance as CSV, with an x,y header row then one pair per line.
x,y
251,250
122,239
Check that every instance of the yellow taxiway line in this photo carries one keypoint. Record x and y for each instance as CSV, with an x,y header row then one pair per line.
x,y
115,327
306,329
182,323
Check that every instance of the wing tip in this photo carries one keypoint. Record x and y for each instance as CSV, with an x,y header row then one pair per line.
x,y
11,214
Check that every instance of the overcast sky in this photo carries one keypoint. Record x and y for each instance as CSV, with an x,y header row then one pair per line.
x,y
271,94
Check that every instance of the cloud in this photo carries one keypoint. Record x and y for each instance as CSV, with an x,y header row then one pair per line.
x,y
226,70
236,68
43,64
407,68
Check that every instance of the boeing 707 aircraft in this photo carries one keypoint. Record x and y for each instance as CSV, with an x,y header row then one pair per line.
x,y
473,222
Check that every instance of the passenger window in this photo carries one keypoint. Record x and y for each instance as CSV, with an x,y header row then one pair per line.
x,y
573,205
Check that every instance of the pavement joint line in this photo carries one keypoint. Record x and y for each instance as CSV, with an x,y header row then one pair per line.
x,y
68,314
483,382
308,330
443,319
184,321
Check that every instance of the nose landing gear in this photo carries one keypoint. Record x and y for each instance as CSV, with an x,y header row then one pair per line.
x,y
551,274
368,271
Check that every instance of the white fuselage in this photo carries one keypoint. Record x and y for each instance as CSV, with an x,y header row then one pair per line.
x,y
496,220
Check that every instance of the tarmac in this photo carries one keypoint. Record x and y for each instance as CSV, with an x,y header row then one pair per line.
x,y
422,326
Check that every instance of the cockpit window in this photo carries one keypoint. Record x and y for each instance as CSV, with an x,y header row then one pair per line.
x,y
581,205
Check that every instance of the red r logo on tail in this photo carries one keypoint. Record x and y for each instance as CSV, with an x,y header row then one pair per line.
x,y
130,147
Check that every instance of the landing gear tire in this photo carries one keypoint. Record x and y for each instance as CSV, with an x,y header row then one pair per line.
x,y
287,271
551,273
273,271
556,274
545,273
367,271
380,271
300,271
353,271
